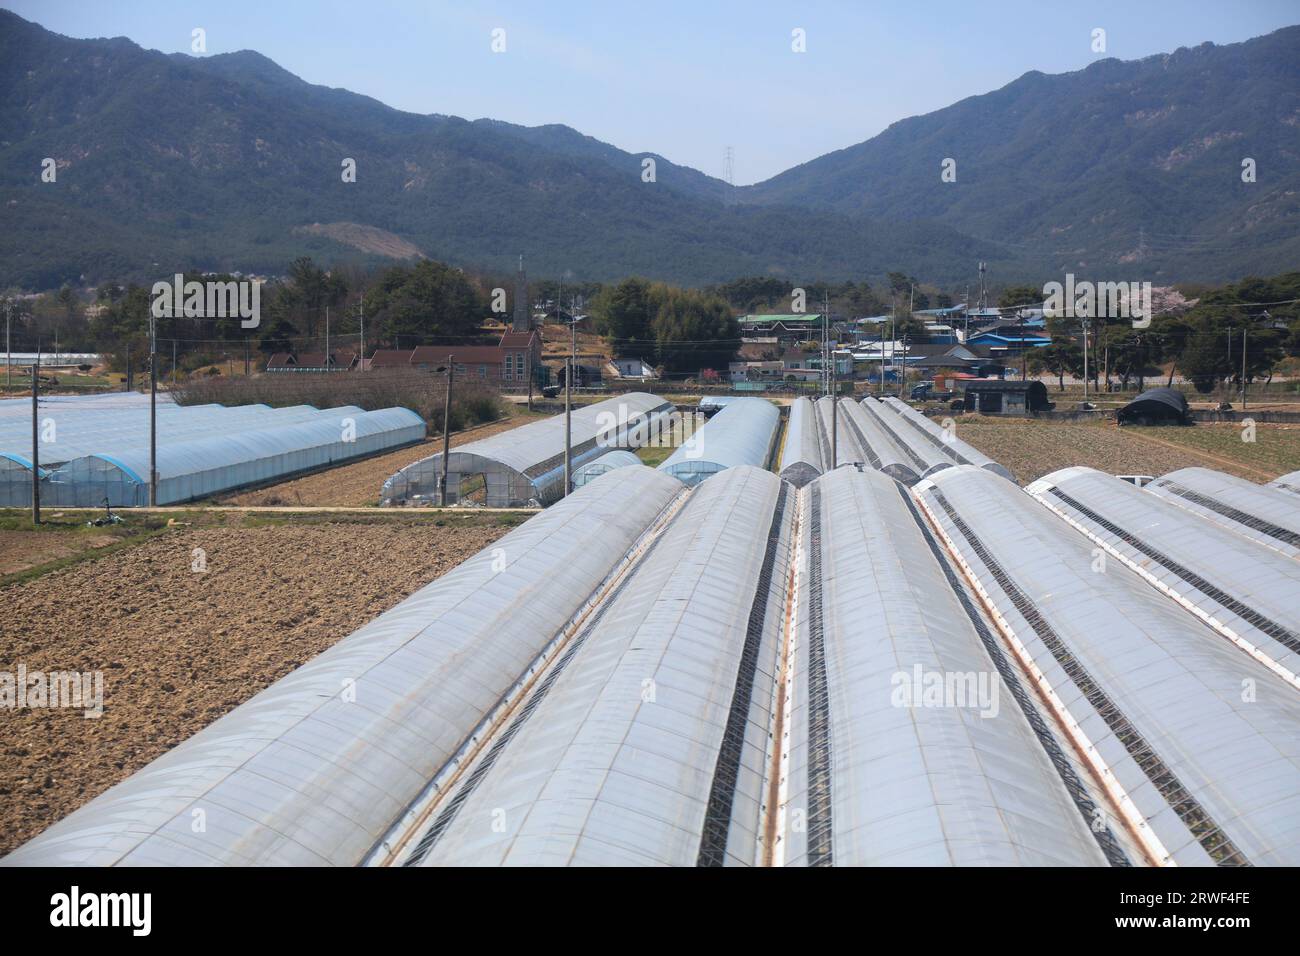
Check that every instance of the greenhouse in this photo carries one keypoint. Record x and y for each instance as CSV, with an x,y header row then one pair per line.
x,y
1266,514
801,455
961,452
16,480
72,430
605,463
1148,693
1290,483
879,449
526,464
743,433
202,466
923,455
887,614
301,775
1245,592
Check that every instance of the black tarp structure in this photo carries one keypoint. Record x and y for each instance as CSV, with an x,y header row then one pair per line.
x,y
1156,406
997,396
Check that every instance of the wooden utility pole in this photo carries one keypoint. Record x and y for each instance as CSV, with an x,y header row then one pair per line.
x,y
446,435
36,442
568,414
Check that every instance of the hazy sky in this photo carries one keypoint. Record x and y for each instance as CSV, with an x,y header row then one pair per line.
x,y
684,79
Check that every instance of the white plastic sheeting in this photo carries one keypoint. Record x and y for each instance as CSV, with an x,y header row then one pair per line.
x,y
201,467
878,448
526,464
741,434
913,779
961,452
1290,482
1152,696
1247,592
801,454
97,447
1267,515
316,768
603,465
839,439
73,429
923,455
616,763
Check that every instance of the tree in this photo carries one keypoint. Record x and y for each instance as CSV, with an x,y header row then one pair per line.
x,y
425,302
624,314
693,331
311,292
1061,357
1020,296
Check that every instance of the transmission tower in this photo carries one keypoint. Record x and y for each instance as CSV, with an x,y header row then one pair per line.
x,y
729,176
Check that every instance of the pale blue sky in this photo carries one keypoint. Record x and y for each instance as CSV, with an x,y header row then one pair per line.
x,y
685,79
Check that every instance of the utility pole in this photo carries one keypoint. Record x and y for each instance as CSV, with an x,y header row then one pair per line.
x,y
446,435
826,348
568,412
1243,368
153,410
327,338
835,443
9,358
902,369
36,443
363,330
1085,360
966,309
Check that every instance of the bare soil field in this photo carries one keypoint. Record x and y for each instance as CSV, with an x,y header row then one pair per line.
x,y
20,550
1032,448
179,648
358,484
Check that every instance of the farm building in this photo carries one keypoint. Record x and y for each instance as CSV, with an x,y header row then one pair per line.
x,y
996,397
1156,406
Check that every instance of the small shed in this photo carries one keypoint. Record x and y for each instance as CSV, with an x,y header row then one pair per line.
x,y
998,397
1156,406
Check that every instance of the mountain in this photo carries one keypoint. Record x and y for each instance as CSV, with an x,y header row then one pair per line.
x,y
229,162
1121,165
